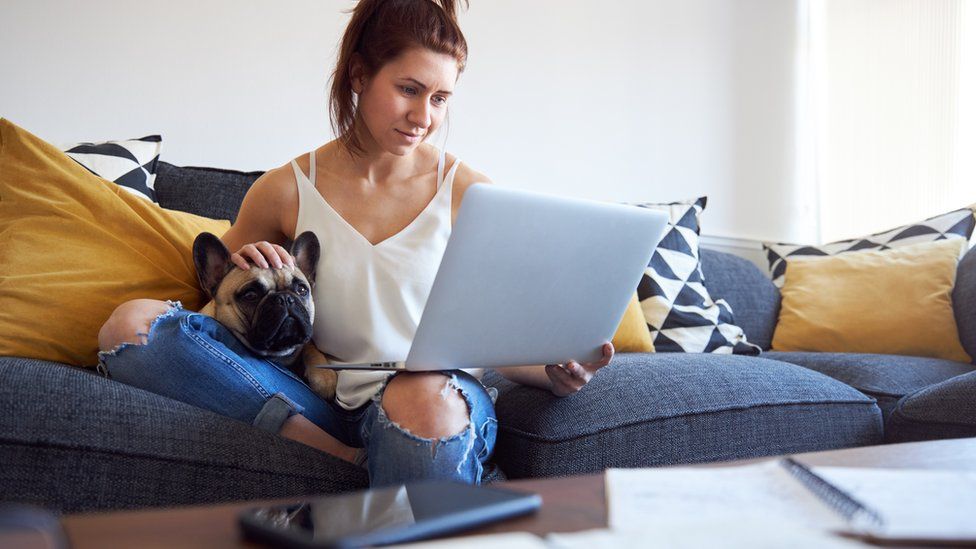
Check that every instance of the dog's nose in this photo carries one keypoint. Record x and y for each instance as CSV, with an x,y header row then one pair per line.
x,y
286,299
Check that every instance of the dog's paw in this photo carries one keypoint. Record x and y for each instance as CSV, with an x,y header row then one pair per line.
x,y
321,380
312,356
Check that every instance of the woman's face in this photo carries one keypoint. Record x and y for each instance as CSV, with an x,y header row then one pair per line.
x,y
406,101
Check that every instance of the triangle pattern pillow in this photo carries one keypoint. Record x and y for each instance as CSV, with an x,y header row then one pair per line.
x,y
954,224
681,315
131,163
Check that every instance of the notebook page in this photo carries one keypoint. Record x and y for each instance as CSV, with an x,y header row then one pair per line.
x,y
915,503
695,534
763,492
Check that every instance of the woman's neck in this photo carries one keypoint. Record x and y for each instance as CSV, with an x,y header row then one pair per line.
x,y
374,166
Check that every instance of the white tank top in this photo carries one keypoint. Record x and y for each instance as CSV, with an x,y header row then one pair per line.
x,y
369,298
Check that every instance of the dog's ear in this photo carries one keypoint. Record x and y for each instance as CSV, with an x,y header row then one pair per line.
x,y
212,260
306,251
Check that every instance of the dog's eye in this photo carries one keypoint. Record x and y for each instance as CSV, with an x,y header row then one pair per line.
x,y
249,295
302,291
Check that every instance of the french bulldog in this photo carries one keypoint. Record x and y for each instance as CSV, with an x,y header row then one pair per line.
x,y
269,310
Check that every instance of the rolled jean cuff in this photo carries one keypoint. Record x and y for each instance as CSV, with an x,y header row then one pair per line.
x,y
275,411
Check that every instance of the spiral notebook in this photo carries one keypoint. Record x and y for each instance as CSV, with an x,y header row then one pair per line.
x,y
904,505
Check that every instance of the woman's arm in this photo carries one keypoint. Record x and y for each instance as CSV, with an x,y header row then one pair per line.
x,y
258,232
561,379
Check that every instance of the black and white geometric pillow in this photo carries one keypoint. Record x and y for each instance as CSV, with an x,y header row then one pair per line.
x,y
954,224
680,314
131,163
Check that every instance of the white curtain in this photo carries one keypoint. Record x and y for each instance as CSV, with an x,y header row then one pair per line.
x,y
887,105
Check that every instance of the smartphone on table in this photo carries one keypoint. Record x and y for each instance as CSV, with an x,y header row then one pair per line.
x,y
397,514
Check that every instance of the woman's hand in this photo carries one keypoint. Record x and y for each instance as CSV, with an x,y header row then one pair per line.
x,y
567,379
264,255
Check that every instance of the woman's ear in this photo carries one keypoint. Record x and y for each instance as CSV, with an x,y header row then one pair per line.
x,y
357,74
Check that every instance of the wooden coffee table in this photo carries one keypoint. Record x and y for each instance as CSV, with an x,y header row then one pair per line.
x,y
570,504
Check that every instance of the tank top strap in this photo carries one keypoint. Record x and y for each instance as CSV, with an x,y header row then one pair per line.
x,y
440,167
299,175
449,178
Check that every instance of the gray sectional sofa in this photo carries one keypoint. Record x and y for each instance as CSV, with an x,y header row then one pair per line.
x,y
72,440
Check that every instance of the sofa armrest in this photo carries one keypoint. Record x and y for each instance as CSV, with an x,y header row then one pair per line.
x,y
752,295
964,302
943,410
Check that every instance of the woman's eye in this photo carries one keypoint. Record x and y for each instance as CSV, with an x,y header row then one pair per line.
x,y
439,100
408,90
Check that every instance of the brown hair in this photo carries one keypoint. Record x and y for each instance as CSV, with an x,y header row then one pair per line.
x,y
378,32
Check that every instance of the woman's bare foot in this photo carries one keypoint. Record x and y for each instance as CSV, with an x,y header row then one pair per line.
x,y
300,429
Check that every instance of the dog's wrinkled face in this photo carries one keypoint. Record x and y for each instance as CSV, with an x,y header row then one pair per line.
x,y
269,310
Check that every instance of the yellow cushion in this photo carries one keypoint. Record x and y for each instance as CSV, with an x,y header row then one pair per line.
x,y
632,335
74,246
895,301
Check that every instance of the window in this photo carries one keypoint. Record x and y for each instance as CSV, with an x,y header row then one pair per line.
x,y
888,109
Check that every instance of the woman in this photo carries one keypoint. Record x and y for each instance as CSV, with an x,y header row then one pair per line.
x,y
382,204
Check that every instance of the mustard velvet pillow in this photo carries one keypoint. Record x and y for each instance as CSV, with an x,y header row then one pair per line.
x,y
632,335
74,246
896,301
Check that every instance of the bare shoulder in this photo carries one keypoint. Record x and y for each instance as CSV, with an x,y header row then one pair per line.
x,y
463,178
269,210
467,176
276,187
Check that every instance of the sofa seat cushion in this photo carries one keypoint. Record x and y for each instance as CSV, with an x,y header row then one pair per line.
x,y
71,440
887,378
669,408
943,410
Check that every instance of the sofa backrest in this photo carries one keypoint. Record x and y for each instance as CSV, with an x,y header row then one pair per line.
x,y
209,192
964,302
751,294
218,194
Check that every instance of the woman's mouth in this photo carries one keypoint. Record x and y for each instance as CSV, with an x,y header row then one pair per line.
x,y
409,137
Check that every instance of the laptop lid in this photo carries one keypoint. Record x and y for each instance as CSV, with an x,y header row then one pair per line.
x,y
529,278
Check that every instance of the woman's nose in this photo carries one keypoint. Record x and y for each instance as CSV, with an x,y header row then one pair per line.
x,y
419,115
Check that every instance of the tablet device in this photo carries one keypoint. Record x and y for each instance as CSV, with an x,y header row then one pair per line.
x,y
383,516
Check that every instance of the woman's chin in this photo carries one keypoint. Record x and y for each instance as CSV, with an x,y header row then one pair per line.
x,y
402,149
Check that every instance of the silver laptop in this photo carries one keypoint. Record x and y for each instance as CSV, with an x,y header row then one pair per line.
x,y
530,278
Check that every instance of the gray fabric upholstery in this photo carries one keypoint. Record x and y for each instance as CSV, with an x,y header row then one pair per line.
x,y
73,441
209,192
944,410
887,378
669,408
753,297
964,302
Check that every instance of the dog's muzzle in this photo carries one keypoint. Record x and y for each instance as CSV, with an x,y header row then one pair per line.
x,y
280,323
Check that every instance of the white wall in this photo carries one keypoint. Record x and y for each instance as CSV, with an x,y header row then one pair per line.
x,y
636,100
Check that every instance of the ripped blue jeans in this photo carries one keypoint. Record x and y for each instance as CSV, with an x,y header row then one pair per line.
x,y
193,358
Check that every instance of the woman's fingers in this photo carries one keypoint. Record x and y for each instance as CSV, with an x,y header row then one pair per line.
x,y
286,257
253,254
575,369
239,260
563,382
270,254
607,357
263,254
